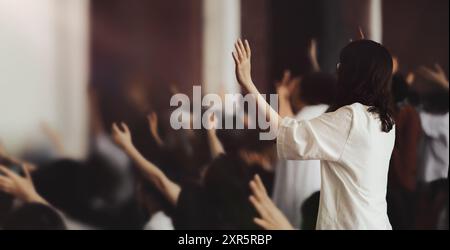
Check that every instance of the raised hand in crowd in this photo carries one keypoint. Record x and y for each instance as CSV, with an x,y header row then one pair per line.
x,y
312,54
153,125
19,187
122,137
436,75
216,146
271,218
242,59
285,88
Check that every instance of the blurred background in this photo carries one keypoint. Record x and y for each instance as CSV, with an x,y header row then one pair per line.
x,y
52,50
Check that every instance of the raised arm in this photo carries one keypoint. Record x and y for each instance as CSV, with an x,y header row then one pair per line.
x,y
285,88
214,142
153,124
242,59
312,53
436,75
271,218
122,137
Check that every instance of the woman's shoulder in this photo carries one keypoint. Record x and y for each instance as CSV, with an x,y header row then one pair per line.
x,y
357,110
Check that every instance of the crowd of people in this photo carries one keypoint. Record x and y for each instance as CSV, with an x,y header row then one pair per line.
x,y
363,148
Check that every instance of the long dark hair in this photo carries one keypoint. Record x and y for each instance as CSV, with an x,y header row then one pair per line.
x,y
365,76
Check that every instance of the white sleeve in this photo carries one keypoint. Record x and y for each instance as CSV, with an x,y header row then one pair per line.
x,y
322,138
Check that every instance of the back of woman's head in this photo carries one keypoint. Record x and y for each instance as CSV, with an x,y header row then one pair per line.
x,y
364,76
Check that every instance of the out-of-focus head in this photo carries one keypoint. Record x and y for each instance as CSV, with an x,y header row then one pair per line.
x,y
6,204
431,96
34,216
227,191
400,88
436,102
316,88
364,76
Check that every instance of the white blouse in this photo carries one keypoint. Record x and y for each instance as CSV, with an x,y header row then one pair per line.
x,y
354,155
434,158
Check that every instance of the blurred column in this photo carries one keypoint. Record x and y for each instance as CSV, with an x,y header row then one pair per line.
x,y
72,64
222,24
375,31
43,65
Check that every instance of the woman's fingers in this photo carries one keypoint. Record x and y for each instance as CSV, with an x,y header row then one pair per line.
x,y
26,172
243,49
239,51
286,77
236,58
262,211
248,49
115,128
7,172
124,127
262,223
257,192
260,184
439,69
361,33
4,180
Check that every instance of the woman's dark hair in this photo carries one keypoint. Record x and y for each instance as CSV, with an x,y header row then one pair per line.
x,y
34,216
365,76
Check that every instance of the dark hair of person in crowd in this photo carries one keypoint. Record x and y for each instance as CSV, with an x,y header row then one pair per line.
x,y
400,89
227,191
310,211
364,76
6,204
436,101
34,216
86,191
221,202
315,88
402,92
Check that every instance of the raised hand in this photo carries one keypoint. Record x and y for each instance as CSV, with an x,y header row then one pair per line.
x,y
153,124
312,53
271,217
436,75
212,122
242,59
122,135
54,137
287,85
361,33
410,78
360,36
20,187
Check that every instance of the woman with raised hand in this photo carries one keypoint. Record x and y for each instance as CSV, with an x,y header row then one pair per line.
x,y
122,137
20,187
354,143
271,218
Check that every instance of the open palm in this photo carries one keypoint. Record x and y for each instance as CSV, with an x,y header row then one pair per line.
x,y
242,59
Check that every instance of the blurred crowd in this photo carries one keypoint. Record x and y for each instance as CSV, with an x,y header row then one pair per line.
x,y
142,174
